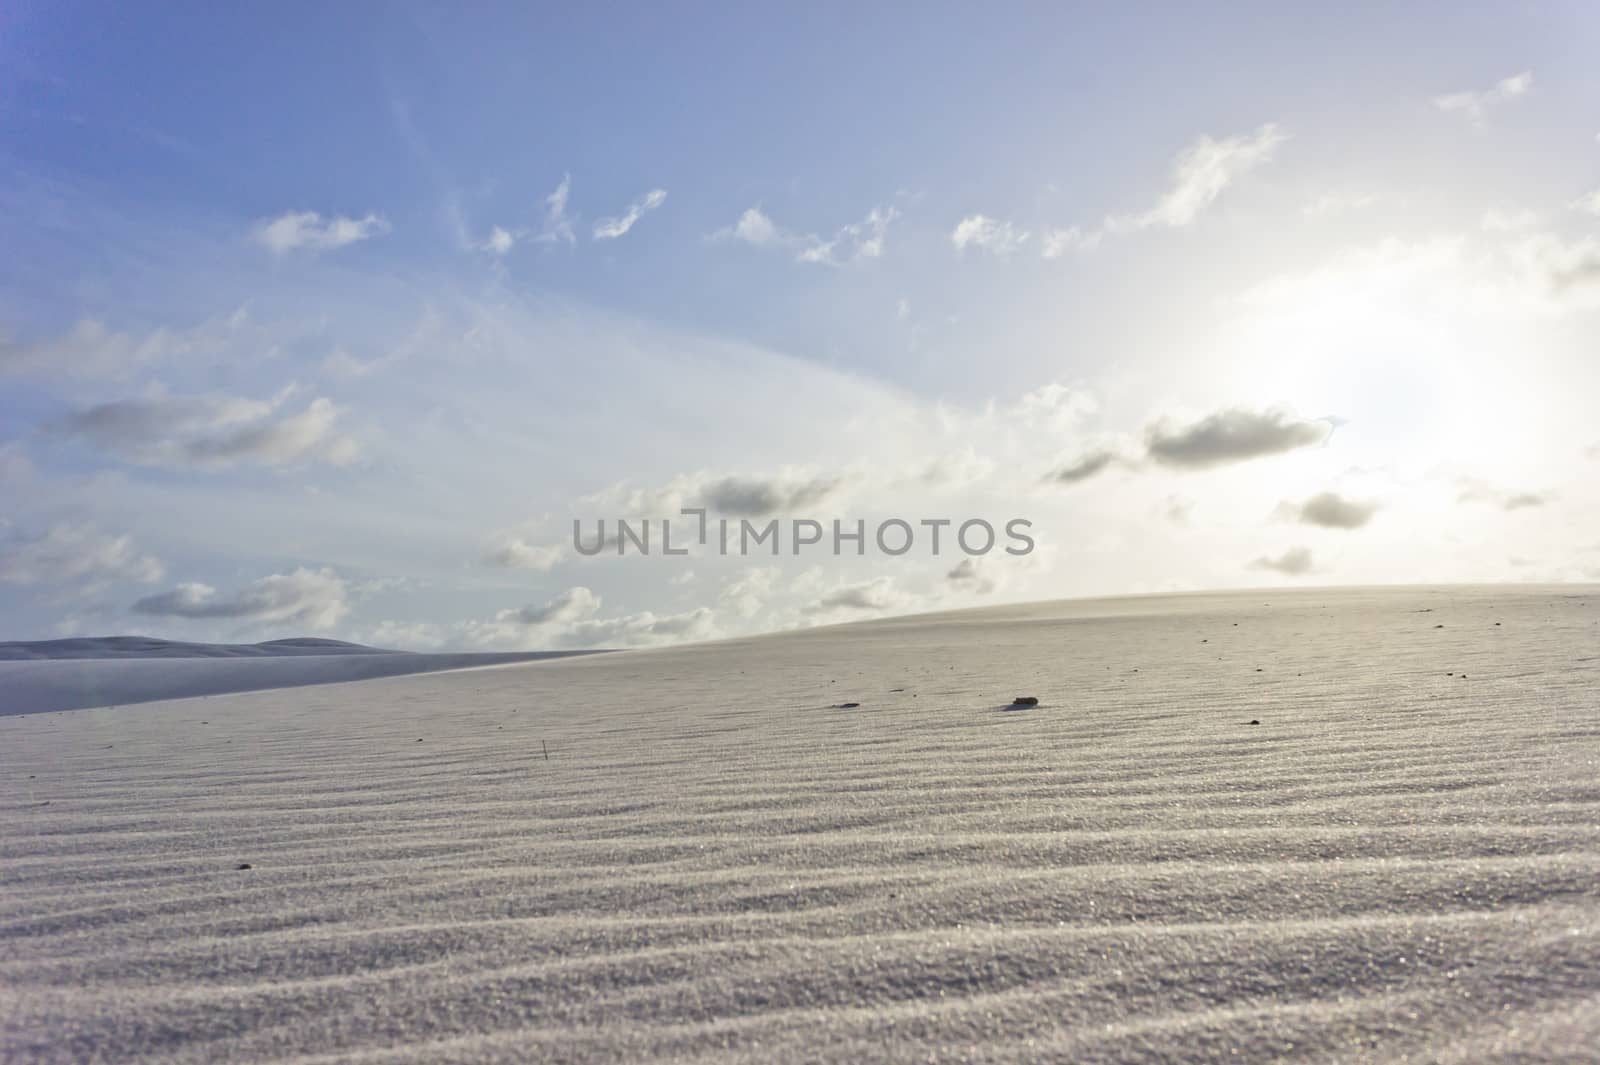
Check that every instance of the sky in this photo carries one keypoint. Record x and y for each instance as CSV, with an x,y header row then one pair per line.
x,y
333,319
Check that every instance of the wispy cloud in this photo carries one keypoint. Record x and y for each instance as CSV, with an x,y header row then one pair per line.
x,y
1083,467
849,243
557,226
1476,104
91,349
611,228
1472,490
1201,173
308,230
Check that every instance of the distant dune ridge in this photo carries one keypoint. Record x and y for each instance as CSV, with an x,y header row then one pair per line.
x,y
699,854
116,670
151,647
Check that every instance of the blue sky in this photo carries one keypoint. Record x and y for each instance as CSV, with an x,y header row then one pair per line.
x,y
332,318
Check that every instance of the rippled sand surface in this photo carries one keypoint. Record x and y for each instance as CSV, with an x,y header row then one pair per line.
x,y
1401,861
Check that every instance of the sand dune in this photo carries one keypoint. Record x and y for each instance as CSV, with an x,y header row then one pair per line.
x,y
1398,862
153,647
71,682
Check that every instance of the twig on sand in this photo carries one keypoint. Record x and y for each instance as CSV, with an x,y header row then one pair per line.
x,y
545,749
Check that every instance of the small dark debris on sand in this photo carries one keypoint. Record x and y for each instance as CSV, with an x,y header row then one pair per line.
x,y
1438,626
897,689
243,866
1025,700
845,706
1254,721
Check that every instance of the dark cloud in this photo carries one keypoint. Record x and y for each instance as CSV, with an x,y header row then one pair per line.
x,y
1083,467
209,431
969,575
1232,435
312,597
1330,510
1295,562
751,497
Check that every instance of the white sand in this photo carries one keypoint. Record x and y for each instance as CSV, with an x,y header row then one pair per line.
x,y
713,865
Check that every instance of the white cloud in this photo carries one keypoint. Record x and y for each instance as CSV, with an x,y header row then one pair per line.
x,y
574,604
500,241
1475,105
849,243
514,552
987,234
611,228
875,596
294,230
747,593
1589,204
67,553
569,620
405,636
753,227
314,598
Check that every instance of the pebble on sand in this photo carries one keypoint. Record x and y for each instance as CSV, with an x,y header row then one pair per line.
x,y
1025,700
244,865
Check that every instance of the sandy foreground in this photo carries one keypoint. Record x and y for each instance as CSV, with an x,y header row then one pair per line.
x,y
716,864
